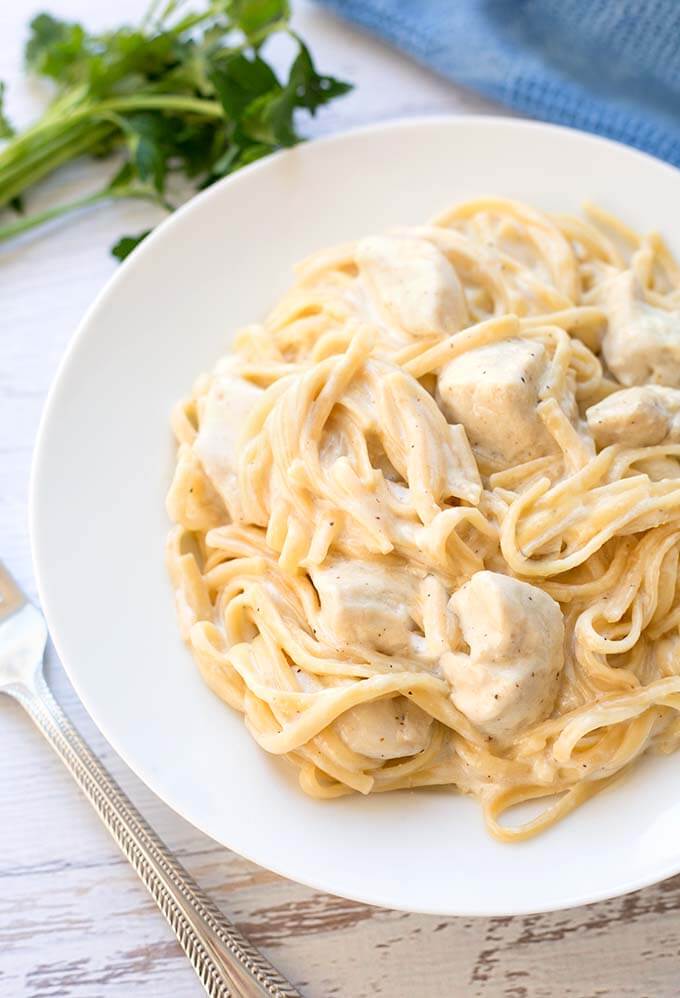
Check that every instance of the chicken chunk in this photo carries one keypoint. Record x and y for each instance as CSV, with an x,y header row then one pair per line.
x,y
385,729
412,285
229,402
494,391
642,342
364,603
637,417
508,679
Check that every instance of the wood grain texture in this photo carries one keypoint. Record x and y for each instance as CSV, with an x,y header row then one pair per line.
x,y
74,920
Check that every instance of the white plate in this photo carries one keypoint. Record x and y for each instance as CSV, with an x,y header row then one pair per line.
x,y
103,463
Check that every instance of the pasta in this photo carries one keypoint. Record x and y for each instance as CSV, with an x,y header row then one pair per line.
x,y
427,514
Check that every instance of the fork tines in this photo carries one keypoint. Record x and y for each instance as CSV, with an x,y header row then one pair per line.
x,y
11,597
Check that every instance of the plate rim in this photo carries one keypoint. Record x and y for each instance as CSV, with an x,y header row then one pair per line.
x,y
490,122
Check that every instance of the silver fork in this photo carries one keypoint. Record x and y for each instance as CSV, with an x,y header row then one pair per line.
x,y
226,963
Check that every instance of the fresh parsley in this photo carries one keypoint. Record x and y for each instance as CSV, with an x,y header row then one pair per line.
x,y
186,92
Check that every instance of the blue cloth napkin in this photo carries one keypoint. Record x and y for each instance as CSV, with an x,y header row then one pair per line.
x,y
607,66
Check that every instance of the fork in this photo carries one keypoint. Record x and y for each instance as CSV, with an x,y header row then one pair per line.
x,y
225,961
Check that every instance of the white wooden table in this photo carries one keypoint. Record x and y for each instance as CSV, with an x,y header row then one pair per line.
x,y
74,920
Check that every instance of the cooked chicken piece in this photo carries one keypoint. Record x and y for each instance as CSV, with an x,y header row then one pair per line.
x,y
642,342
508,679
412,285
364,603
636,417
493,392
223,414
385,729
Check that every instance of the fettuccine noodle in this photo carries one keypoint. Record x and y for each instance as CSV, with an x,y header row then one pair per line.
x,y
428,512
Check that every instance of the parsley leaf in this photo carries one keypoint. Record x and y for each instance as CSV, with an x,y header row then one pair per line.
x,y
271,117
56,49
6,130
311,89
252,16
126,244
239,80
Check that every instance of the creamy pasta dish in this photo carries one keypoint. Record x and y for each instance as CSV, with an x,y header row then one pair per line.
x,y
428,512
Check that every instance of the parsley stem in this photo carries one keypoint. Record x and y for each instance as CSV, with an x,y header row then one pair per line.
x,y
74,134
161,102
136,102
51,119
33,166
22,225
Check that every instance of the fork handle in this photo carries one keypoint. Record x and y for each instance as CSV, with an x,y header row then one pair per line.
x,y
228,965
